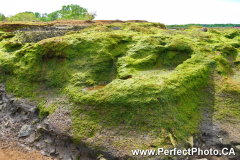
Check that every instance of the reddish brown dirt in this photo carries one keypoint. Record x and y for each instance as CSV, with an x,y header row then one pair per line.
x,y
12,151
96,88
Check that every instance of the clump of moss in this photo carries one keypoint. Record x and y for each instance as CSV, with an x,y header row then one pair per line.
x,y
140,29
231,33
43,112
227,99
97,28
82,79
12,46
44,109
128,25
212,30
226,50
8,35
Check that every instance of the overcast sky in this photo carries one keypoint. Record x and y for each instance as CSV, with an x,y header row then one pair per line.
x,y
163,11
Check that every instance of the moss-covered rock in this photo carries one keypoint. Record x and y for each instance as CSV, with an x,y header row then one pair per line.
x,y
154,82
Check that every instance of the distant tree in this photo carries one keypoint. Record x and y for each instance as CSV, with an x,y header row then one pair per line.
x,y
68,12
2,17
52,16
93,15
28,12
23,16
73,12
64,12
89,16
37,15
43,18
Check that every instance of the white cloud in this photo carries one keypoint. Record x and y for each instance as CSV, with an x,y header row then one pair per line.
x,y
164,11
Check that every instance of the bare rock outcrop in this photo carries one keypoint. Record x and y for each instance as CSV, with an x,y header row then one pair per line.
x,y
204,29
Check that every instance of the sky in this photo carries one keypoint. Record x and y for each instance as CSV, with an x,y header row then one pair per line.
x,y
163,11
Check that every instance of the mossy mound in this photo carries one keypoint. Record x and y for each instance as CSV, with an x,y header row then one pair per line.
x,y
154,82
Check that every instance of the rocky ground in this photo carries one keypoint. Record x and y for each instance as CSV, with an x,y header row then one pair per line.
x,y
36,34
20,125
217,136
15,151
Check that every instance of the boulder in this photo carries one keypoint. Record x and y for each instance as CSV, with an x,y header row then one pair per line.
x,y
204,29
23,105
116,28
25,131
52,151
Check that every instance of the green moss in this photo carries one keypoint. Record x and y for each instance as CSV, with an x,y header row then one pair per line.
x,y
21,88
223,68
227,100
12,46
153,81
212,30
77,158
139,27
148,103
226,50
45,110
7,35
231,33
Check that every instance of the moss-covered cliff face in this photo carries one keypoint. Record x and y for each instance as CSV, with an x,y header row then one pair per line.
x,y
138,87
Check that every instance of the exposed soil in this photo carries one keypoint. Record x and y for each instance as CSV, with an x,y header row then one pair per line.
x,y
14,151
36,34
96,88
